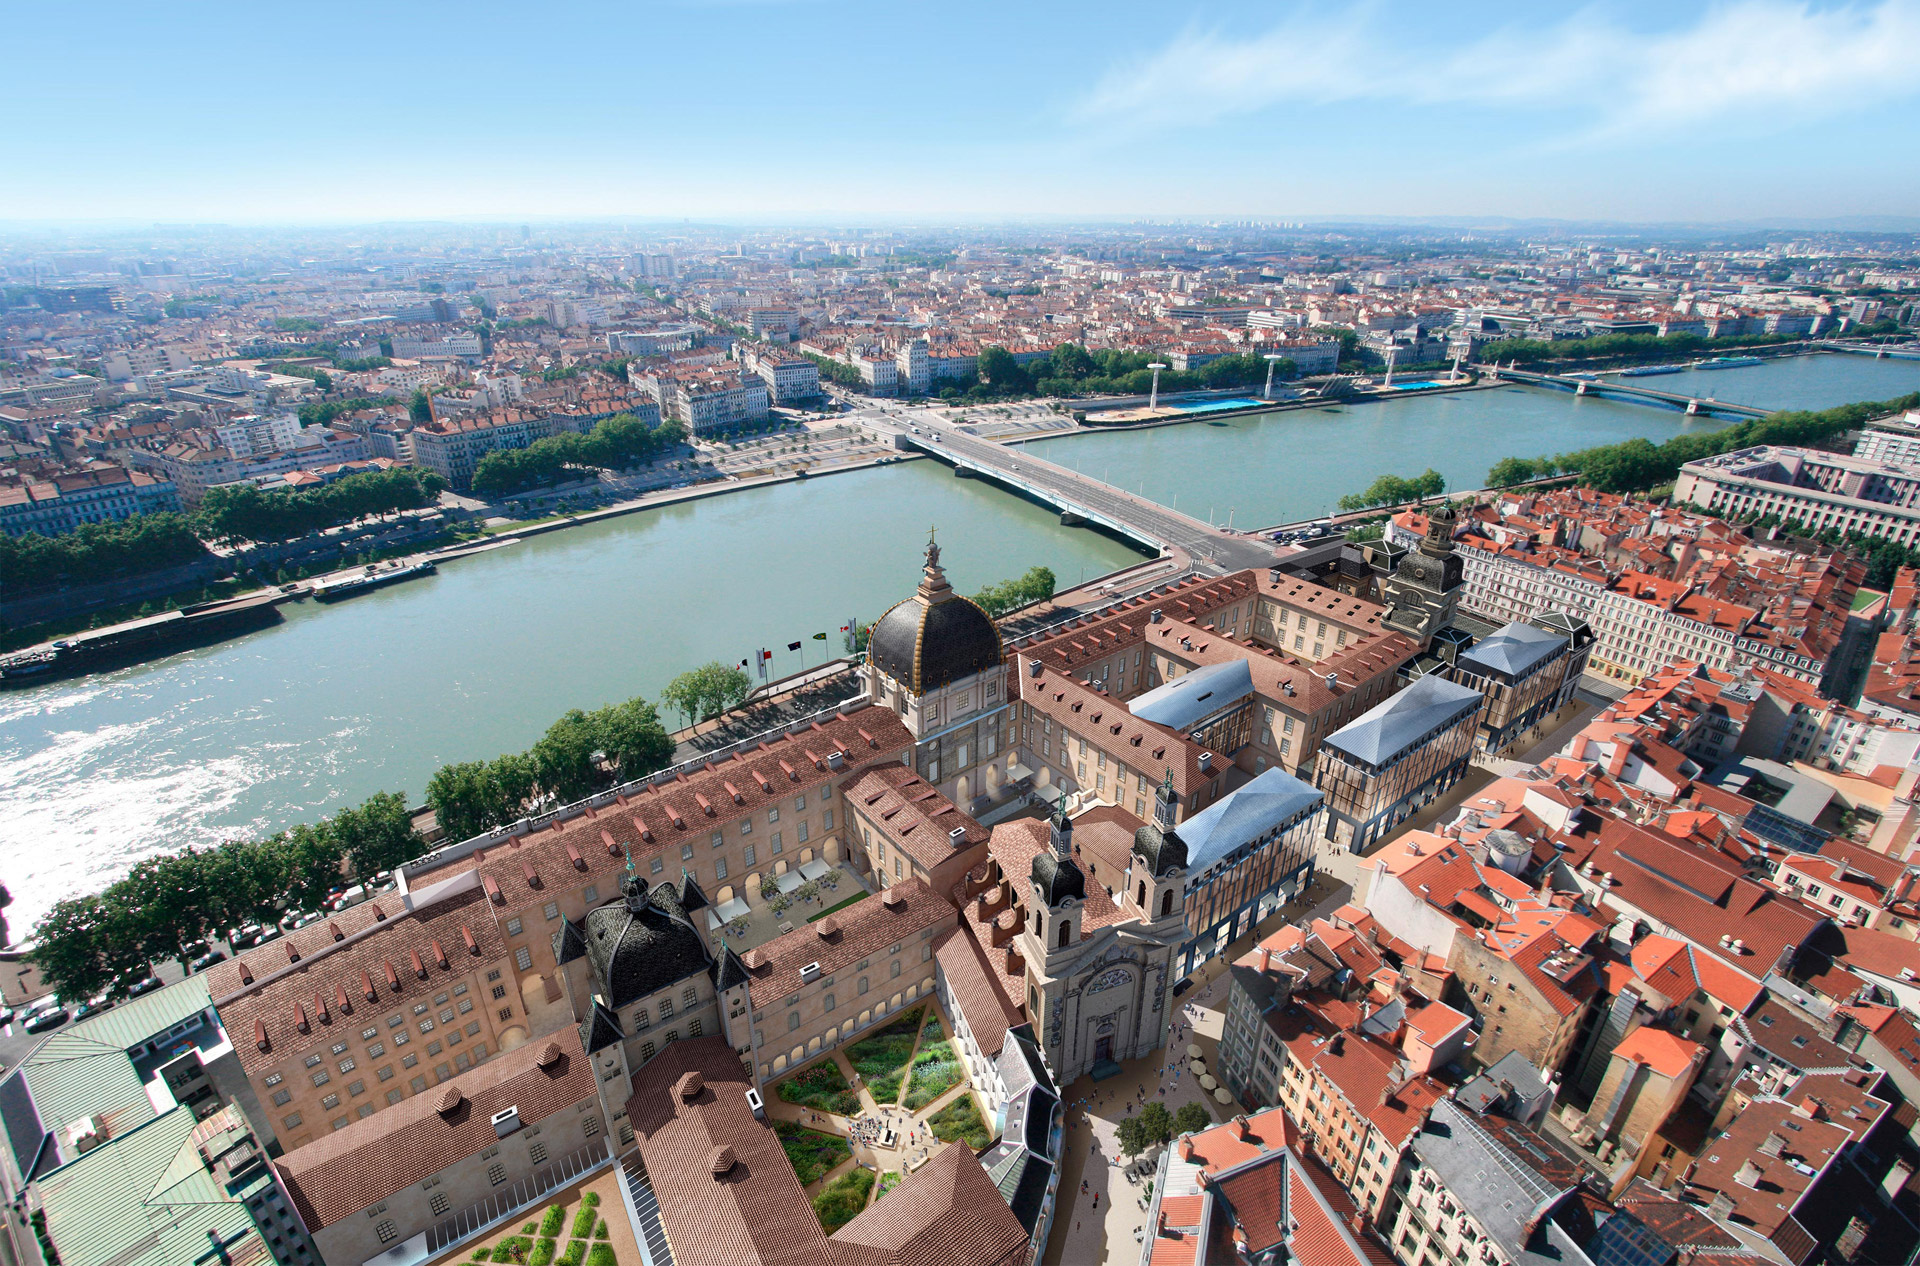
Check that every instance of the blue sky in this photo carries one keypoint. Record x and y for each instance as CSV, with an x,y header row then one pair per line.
x,y
783,109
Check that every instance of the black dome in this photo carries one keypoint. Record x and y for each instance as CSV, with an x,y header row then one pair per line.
x,y
934,638
643,944
1058,878
1160,847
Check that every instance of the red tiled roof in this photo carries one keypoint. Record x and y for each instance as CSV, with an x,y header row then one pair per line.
x,y
341,1173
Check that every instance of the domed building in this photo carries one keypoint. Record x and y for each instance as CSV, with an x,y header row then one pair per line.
x,y
937,661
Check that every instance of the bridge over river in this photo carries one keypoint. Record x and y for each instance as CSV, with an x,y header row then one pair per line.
x,y
1081,500
1618,390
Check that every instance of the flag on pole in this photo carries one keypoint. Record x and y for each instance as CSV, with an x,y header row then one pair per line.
x,y
845,627
793,646
819,637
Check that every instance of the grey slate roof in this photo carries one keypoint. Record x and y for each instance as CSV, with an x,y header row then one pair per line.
x,y
1271,800
1499,1190
569,942
600,1029
1512,649
1186,701
643,944
1429,704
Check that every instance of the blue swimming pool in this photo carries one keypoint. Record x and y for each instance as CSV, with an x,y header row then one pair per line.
x,y
1215,406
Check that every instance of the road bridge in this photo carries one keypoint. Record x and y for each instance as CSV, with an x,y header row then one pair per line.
x,y
1879,351
1081,500
1615,389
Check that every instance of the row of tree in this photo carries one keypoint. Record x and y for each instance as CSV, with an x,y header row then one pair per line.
x,y
1883,558
1071,370
1153,1124
580,754
1637,465
98,551
1392,490
242,512
616,443
707,691
1036,585
1622,347
108,941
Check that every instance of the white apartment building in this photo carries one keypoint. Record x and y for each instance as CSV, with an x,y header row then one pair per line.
x,y
257,436
878,372
453,447
124,363
193,470
913,367
452,347
1821,490
788,377
765,321
403,379
711,400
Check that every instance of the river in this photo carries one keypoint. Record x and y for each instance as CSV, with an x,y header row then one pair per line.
x,y
1305,460
375,693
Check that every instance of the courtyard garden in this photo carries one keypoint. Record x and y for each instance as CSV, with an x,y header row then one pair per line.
x,y
842,1199
822,1087
540,1243
960,1122
811,1153
881,1058
936,1068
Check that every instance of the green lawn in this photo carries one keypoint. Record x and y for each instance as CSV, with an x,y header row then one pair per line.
x,y
936,1070
811,1153
881,1057
838,905
822,1087
888,1181
959,1122
843,1199
1864,598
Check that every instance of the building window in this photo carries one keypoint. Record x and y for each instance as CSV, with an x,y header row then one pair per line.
x,y
523,958
438,1203
386,1230
829,1002
280,1098
748,857
496,1173
499,992
719,868
694,1028
551,910
654,867
320,1078
513,927
537,1153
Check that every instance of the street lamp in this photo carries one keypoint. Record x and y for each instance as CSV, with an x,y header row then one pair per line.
x,y
1272,358
1153,400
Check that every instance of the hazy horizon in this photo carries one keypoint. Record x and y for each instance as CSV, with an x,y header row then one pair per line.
x,y
1752,113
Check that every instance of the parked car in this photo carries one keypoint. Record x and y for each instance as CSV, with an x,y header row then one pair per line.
x,y
146,984
6,1015
92,1006
41,1021
207,960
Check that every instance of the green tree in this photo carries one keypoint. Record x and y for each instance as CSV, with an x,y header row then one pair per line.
x,y
69,949
563,758
169,904
707,691
377,835
1156,1121
632,738
313,864
1000,370
1509,471
420,408
1191,1117
464,799
1037,585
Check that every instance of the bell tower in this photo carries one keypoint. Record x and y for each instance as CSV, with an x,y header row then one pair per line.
x,y
1423,594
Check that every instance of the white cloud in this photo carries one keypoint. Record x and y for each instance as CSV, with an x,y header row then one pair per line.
x,y
1751,60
